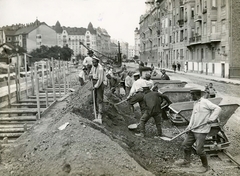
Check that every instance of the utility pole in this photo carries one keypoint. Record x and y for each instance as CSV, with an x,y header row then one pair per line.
x,y
119,55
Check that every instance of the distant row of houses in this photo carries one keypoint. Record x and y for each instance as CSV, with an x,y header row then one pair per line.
x,y
32,36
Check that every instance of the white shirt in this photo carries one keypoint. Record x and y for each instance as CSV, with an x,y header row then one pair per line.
x,y
128,81
137,86
87,61
203,111
97,73
82,75
150,83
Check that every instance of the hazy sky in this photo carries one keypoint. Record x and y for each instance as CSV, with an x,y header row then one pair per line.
x,y
118,17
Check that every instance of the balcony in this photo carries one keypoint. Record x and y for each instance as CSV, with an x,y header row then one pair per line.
x,y
215,37
204,10
198,18
195,40
181,22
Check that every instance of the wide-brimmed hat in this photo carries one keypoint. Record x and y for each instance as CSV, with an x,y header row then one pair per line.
x,y
95,58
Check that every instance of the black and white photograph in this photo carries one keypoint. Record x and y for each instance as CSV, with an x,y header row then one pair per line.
x,y
119,87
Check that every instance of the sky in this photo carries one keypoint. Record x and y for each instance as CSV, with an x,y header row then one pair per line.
x,y
118,17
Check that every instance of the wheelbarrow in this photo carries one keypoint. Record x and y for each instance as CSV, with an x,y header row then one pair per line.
x,y
180,113
168,83
181,94
216,139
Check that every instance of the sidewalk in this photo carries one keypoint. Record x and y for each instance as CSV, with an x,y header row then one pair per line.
x,y
208,77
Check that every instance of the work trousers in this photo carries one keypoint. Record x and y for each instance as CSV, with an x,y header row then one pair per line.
x,y
138,98
98,92
127,91
192,137
144,119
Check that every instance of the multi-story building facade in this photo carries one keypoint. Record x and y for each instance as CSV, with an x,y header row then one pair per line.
x,y
131,52
95,38
201,35
137,42
30,36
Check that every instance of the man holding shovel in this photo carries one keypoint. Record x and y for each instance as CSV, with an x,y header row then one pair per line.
x,y
154,102
97,77
204,113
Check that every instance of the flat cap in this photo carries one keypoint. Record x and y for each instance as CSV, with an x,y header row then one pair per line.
x,y
136,74
90,52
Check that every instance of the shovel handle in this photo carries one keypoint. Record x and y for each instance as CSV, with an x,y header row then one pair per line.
x,y
120,102
180,134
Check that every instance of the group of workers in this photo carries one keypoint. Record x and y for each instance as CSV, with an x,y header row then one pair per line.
x,y
141,90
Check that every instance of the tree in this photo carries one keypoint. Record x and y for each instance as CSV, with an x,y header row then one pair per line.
x,y
64,53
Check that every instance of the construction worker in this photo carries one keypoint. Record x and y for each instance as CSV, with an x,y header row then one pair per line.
x,y
164,75
149,82
128,82
82,76
97,77
87,62
154,102
136,93
204,111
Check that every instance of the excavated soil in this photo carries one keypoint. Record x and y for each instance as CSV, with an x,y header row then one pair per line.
x,y
87,148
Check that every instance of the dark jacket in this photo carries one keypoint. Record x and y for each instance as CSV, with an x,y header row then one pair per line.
x,y
154,101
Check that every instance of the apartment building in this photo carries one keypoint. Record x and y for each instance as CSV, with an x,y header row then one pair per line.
x,y
95,38
137,42
201,35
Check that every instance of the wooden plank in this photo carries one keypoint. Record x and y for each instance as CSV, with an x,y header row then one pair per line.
x,y
12,130
42,95
20,118
53,81
26,75
35,100
9,126
2,135
32,122
28,105
20,111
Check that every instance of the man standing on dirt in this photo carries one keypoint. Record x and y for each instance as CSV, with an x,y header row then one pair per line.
x,y
154,102
97,77
87,62
136,93
204,111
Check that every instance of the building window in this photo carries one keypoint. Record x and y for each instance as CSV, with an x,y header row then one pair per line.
x,y
223,25
181,35
204,28
213,26
223,3
223,49
214,4
192,12
170,39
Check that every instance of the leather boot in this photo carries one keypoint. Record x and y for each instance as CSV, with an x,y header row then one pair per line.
x,y
186,161
205,167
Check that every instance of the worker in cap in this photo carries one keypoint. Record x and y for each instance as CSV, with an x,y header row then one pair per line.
x,y
82,76
154,102
97,77
128,82
164,75
204,113
149,82
136,93
87,62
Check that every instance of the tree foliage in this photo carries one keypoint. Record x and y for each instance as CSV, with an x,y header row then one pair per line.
x,y
64,53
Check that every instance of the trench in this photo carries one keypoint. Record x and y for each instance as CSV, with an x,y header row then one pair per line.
x,y
154,155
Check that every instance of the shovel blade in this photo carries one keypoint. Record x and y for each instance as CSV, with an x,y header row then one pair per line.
x,y
165,138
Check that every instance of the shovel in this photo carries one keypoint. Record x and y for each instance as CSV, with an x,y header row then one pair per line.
x,y
180,134
120,102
